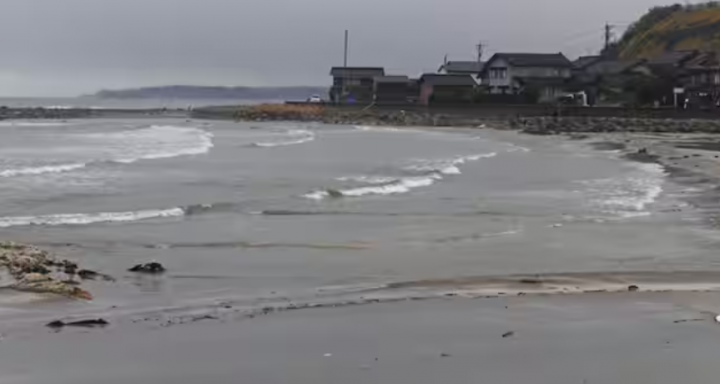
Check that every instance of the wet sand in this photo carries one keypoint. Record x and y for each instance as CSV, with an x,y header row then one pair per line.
x,y
595,338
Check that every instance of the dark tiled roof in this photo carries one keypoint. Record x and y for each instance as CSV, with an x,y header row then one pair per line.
x,y
611,67
674,58
391,79
584,61
441,79
543,60
469,67
357,71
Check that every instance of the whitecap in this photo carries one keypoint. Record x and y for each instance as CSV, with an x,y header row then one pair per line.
x,y
629,195
305,137
517,148
270,144
41,170
446,166
368,179
155,142
88,218
399,186
368,128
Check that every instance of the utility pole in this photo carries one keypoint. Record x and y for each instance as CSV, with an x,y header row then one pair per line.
x,y
480,48
345,57
608,35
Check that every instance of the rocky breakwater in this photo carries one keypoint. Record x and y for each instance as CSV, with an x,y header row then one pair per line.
x,y
30,269
558,125
353,116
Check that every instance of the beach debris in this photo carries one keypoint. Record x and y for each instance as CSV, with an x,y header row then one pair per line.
x,y
687,320
35,270
91,323
152,267
445,354
508,334
531,281
633,288
717,318
327,355
334,193
87,274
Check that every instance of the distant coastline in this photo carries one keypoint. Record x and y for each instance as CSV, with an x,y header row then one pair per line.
x,y
212,92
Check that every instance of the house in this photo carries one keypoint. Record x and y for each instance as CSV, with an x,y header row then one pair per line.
x,y
605,80
541,73
667,64
354,84
472,68
391,89
440,88
700,79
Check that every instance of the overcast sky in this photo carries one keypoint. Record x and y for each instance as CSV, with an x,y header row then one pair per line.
x,y
70,47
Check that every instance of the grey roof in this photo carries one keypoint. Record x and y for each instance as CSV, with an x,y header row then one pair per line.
x,y
673,58
391,79
544,60
584,61
357,71
469,67
611,67
442,79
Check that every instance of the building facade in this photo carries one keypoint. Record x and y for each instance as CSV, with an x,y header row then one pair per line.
x,y
354,84
513,73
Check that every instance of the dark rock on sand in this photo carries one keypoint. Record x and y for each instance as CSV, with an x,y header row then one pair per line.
x,y
87,274
508,334
633,288
150,268
80,323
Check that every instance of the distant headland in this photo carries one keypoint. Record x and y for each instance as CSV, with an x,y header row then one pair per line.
x,y
213,92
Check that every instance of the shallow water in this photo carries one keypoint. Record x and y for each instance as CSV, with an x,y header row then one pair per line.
x,y
254,211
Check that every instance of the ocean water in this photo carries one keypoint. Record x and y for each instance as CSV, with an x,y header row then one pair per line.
x,y
256,211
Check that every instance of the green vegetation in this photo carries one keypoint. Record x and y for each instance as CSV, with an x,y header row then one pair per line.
x,y
668,28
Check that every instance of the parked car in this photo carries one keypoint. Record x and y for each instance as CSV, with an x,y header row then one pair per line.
x,y
314,99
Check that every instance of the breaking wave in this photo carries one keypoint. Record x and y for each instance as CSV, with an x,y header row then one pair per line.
x,y
425,173
156,142
446,166
305,136
368,179
41,170
629,195
88,218
402,185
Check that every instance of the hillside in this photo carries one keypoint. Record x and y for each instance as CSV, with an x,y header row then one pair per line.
x,y
672,28
206,92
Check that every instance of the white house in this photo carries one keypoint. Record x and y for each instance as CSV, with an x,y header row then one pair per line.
x,y
513,73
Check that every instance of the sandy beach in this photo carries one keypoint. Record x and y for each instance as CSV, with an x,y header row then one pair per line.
x,y
594,338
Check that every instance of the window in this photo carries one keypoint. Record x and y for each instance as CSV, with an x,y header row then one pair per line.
x,y
498,73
